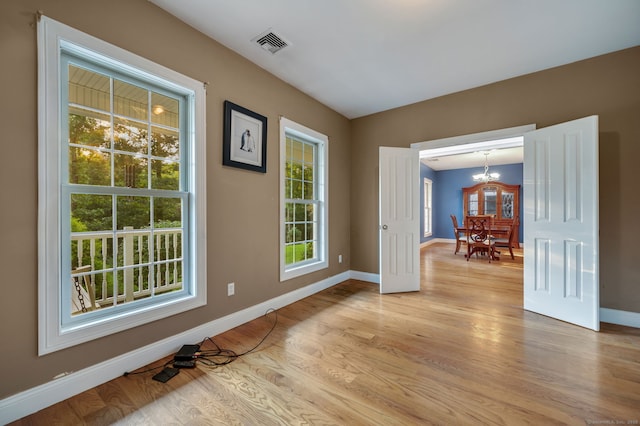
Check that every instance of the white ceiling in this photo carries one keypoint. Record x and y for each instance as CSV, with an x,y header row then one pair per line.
x,y
360,57
364,56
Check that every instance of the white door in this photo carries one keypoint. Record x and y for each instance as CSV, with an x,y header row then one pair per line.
x,y
561,222
399,213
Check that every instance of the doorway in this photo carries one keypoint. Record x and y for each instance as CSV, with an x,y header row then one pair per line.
x,y
560,190
464,152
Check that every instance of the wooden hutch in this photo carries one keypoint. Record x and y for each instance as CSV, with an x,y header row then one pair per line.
x,y
498,199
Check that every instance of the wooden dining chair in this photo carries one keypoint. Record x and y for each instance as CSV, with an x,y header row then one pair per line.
x,y
508,242
461,236
479,238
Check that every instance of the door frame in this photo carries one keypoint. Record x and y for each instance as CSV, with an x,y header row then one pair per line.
x,y
510,137
472,142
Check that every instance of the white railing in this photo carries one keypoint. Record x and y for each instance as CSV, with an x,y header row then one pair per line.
x,y
137,271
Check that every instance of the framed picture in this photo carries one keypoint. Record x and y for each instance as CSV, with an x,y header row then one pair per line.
x,y
245,138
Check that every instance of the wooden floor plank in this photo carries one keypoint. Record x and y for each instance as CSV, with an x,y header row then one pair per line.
x,y
460,351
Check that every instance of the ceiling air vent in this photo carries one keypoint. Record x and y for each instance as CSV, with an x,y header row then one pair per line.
x,y
271,42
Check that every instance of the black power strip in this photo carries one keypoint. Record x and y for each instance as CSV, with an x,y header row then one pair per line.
x,y
165,375
187,353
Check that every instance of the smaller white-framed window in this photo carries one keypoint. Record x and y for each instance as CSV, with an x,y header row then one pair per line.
x,y
303,200
427,185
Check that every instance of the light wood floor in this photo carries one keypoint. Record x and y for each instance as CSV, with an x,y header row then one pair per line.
x,y
460,351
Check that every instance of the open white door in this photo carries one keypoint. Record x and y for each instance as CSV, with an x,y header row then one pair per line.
x,y
561,222
399,214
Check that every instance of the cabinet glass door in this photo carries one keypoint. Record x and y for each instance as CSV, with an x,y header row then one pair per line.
x,y
507,204
490,201
473,204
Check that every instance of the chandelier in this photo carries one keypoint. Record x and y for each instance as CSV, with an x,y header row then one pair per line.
x,y
486,176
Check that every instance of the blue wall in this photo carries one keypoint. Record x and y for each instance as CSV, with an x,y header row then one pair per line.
x,y
447,194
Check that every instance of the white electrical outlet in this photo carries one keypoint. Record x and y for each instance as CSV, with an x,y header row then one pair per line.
x,y
339,258
231,289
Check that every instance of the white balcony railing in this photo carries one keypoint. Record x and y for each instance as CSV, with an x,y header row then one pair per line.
x,y
143,266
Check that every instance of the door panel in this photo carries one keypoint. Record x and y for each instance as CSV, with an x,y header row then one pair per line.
x,y
399,213
561,222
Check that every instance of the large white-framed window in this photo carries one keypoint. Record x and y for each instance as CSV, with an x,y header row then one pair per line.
x,y
427,188
303,200
121,189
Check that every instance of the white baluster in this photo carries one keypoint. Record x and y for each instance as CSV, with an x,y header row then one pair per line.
x,y
128,260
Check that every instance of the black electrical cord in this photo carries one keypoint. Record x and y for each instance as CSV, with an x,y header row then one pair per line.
x,y
219,356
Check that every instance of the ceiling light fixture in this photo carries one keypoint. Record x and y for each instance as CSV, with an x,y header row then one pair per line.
x,y
486,176
157,109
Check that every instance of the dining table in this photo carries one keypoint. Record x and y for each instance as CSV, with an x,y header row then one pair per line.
x,y
498,231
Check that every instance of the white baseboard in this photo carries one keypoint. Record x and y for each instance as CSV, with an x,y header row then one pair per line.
x,y
433,241
614,316
365,276
437,240
35,399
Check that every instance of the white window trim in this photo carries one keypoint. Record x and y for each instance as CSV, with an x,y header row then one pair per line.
x,y
427,206
288,126
51,335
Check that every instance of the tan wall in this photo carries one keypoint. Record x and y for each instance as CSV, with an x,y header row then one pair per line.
x,y
608,86
242,207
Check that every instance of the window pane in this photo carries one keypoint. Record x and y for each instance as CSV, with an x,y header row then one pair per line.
x,y
165,143
291,254
167,212
299,212
289,233
296,189
91,248
89,89
84,284
130,171
133,212
310,250
287,188
91,212
288,212
296,170
309,234
131,136
165,174
89,167
308,172
311,212
89,128
129,100
165,110
308,191
297,149
300,232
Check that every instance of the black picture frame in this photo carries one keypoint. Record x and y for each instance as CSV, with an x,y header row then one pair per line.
x,y
244,142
